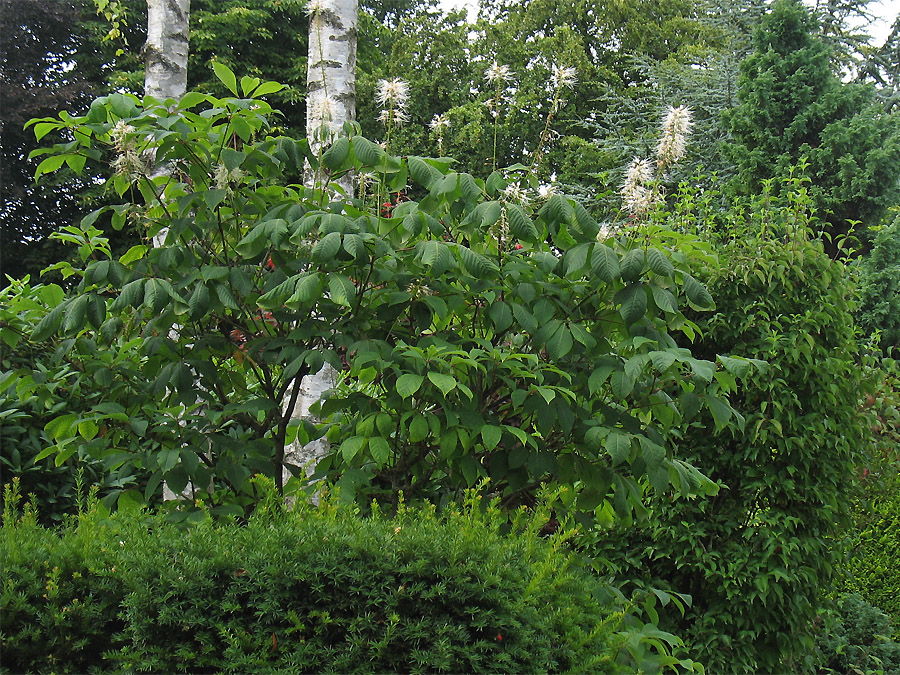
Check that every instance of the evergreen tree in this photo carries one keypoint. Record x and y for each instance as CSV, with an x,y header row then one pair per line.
x,y
793,106
879,308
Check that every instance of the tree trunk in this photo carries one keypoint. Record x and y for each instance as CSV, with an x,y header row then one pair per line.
x,y
331,69
330,101
165,76
166,51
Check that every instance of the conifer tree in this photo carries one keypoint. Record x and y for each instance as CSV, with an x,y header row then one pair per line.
x,y
793,106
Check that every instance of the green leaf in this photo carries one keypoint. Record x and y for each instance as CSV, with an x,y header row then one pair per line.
x,y
341,289
351,447
198,303
560,343
49,165
61,427
605,263
470,469
576,258
380,450
76,315
660,263
418,428
720,410
267,88
308,288
134,254
632,301
335,157
633,264
422,172
327,247
618,445
490,436
248,84
225,75
96,310
51,294
408,384
520,225
697,294
501,315
446,383
663,299
225,296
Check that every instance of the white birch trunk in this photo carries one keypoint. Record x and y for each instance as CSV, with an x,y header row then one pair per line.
x,y
330,70
165,76
330,101
166,51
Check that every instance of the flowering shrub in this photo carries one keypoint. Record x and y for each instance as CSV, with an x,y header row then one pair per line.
x,y
480,337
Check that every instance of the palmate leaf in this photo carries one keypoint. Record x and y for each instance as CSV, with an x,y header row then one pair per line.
x,y
632,301
327,247
605,263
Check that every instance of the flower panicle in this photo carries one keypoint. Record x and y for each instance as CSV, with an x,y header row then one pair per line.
x,y
498,74
676,125
637,196
393,97
313,7
563,77
439,123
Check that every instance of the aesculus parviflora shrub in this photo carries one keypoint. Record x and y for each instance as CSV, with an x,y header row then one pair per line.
x,y
478,336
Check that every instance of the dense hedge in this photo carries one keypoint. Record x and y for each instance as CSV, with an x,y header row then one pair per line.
x,y
317,589
874,568
760,557
856,640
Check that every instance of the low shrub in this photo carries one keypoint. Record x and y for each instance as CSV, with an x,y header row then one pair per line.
x,y
315,589
873,569
856,640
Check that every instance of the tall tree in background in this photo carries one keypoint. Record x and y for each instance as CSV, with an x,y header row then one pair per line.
x,y
792,105
44,68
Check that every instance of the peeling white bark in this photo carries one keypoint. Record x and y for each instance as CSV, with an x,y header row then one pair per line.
x,y
331,69
166,50
330,101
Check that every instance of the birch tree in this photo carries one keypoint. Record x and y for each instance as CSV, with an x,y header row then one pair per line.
x,y
166,50
330,102
165,76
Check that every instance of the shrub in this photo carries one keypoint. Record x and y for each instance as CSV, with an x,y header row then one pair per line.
x,y
858,640
482,336
758,557
317,589
874,572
